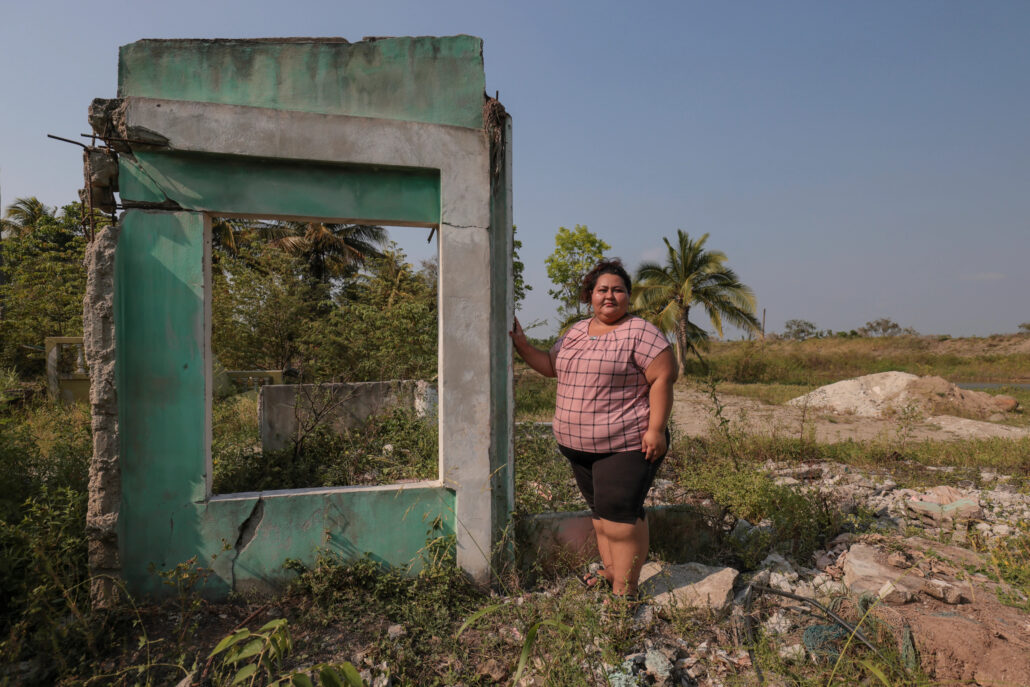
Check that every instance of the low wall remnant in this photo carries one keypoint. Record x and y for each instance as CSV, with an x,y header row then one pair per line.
x,y
284,409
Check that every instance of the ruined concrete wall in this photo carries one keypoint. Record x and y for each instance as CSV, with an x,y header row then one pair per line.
x,y
105,490
284,410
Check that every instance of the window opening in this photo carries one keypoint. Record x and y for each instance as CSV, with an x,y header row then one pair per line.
x,y
325,345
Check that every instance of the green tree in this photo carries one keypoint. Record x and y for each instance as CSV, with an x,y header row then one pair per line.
x,y
264,305
885,326
25,214
519,285
41,289
692,276
799,330
575,253
385,328
331,250
1025,326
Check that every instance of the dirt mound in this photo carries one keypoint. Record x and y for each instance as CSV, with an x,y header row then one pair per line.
x,y
887,394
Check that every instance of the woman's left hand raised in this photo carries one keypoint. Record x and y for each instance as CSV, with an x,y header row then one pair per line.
x,y
654,445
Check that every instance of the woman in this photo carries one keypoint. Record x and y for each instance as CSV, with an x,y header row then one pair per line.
x,y
615,374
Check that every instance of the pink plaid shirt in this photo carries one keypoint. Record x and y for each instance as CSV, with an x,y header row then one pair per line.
x,y
603,404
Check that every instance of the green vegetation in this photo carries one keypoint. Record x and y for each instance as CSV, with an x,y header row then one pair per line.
x,y
815,362
575,253
692,277
41,281
451,630
310,305
388,447
1010,564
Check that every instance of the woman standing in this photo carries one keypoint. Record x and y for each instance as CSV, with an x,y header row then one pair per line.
x,y
615,374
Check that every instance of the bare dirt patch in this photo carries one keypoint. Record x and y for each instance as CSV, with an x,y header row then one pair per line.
x,y
902,406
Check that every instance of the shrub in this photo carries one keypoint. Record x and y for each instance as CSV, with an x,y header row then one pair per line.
x,y
392,446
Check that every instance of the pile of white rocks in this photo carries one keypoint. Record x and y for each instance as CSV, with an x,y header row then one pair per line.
x,y
992,511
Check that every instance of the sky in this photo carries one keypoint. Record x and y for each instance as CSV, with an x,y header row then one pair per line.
x,y
853,160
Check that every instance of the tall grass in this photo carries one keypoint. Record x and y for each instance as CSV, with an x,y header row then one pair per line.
x,y
822,361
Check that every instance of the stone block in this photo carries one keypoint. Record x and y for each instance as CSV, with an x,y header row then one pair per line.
x,y
690,584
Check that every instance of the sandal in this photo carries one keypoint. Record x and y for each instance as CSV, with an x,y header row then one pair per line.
x,y
593,580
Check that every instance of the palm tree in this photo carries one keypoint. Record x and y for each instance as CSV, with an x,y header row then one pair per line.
x,y
25,214
692,276
332,249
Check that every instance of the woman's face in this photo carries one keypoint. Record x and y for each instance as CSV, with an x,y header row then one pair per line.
x,y
610,300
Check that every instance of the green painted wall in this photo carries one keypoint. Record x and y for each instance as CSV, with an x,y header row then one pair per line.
x,y
227,184
165,516
424,79
160,339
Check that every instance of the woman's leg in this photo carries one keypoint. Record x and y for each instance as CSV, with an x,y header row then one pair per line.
x,y
605,549
627,544
621,483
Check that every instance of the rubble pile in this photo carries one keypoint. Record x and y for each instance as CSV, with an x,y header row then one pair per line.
x,y
888,394
928,590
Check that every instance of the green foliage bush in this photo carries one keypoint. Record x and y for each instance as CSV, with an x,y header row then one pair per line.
x,y
44,605
264,305
41,290
391,446
383,327
44,595
799,523
430,605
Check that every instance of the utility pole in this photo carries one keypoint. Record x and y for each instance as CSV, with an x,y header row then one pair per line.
x,y
763,324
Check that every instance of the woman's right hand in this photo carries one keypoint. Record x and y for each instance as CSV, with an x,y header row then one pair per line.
x,y
518,337
534,357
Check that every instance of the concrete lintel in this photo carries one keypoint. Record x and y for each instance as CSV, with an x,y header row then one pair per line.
x,y
461,154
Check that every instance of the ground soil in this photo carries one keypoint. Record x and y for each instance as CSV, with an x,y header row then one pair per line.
x,y
999,344
694,414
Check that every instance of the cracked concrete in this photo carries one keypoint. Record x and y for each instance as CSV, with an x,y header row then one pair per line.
x,y
248,530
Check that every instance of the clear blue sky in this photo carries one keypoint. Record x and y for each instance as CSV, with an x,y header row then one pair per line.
x,y
854,160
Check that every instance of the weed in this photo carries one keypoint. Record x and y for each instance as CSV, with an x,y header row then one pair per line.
x,y
45,608
534,395
798,523
1010,563
187,580
721,423
543,481
388,447
250,656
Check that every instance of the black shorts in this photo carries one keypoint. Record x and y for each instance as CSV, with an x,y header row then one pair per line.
x,y
614,484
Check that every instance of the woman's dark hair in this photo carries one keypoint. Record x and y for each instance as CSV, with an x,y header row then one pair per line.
x,y
613,266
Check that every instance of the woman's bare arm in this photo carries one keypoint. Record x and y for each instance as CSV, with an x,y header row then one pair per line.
x,y
540,361
661,374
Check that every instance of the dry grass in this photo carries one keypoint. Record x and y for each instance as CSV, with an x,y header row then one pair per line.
x,y
821,361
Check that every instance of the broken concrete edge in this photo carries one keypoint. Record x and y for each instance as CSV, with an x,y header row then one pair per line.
x,y
98,340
